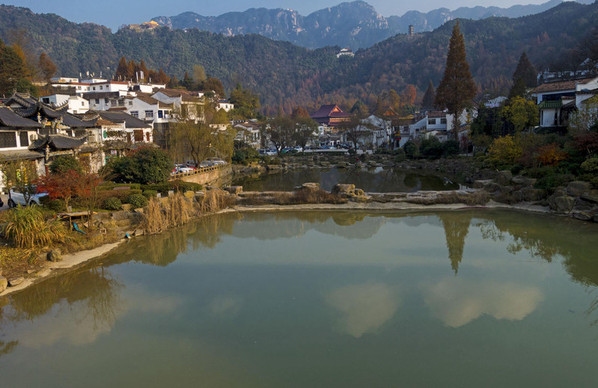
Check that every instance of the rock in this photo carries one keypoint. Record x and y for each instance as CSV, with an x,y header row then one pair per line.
x,y
3,283
582,205
311,186
359,192
344,189
341,165
577,188
523,181
481,183
592,196
235,190
504,177
16,281
531,194
583,216
559,192
561,204
53,255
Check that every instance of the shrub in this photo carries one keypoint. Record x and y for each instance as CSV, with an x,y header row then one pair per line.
x,y
146,165
56,205
64,163
431,148
112,203
137,200
590,165
400,155
550,155
450,148
150,193
552,181
25,227
411,149
504,150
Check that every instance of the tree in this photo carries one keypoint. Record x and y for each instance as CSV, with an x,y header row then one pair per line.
x,y
46,66
524,77
199,140
429,95
64,163
199,74
521,113
246,103
457,87
20,175
215,85
62,184
280,131
305,128
13,71
146,165
122,70
354,129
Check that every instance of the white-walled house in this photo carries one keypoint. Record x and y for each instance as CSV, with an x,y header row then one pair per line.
x,y
225,104
148,109
556,100
118,125
75,104
249,132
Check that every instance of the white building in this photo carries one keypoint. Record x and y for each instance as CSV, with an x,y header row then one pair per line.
x,y
75,104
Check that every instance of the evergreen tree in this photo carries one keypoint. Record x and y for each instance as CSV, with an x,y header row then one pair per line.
x,y
457,87
187,82
524,77
428,101
13,72
46,66
122,69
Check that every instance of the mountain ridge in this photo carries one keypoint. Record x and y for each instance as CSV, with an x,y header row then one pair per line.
x,y
350,24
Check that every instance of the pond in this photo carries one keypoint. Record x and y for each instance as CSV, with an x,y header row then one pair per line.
x,y
451,299
377,180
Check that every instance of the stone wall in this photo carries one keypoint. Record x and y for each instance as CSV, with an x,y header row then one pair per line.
x,y
207,176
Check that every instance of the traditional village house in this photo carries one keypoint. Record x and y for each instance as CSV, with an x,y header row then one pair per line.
x,y
16,134
74,104
225,104
248,132
558,99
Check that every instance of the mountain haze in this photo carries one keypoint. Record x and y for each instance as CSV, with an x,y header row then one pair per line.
x,y
352,24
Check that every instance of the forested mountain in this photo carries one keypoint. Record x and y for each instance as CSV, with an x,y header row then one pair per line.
x,y
354,24
286,75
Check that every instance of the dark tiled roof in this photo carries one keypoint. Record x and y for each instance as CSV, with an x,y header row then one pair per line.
x,y
8,118
325,111
560,86
120,117
58,142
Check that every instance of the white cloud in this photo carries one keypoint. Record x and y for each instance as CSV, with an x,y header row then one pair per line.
x,y
364,307
457,302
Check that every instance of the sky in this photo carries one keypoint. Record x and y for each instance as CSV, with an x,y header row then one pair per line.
x,y
114,13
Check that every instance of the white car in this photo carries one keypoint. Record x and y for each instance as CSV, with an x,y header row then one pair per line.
x,y
17,198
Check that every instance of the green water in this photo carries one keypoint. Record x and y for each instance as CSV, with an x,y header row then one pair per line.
x,y
377,180
459,299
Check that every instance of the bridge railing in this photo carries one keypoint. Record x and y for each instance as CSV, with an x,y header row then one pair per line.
x,y
198,171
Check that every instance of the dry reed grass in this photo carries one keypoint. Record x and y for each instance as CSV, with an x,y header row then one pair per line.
x,y
26,227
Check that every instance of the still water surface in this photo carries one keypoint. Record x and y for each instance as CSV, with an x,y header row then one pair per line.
x,y
377,180
481,298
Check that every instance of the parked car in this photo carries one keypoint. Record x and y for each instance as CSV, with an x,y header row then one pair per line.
x,y
216,161
17,198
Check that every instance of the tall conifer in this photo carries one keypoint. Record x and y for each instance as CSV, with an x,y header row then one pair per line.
x,y
428,101
457,87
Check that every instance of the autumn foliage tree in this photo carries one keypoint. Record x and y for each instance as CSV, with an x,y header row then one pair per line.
x,y
457,87
47,67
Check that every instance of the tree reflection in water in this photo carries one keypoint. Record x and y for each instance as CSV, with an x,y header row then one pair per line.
x,y
92,286
456,228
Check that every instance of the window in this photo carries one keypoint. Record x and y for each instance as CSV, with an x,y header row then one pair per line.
x,y
149,114
8,139
160,114
101,88
431,121
46,100
138,135
105,101
82,103
130,103
94,88
443,121
24,137
135,113
97,100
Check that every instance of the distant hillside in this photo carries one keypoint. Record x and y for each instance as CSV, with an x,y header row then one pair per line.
x,y
353,24
286,75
